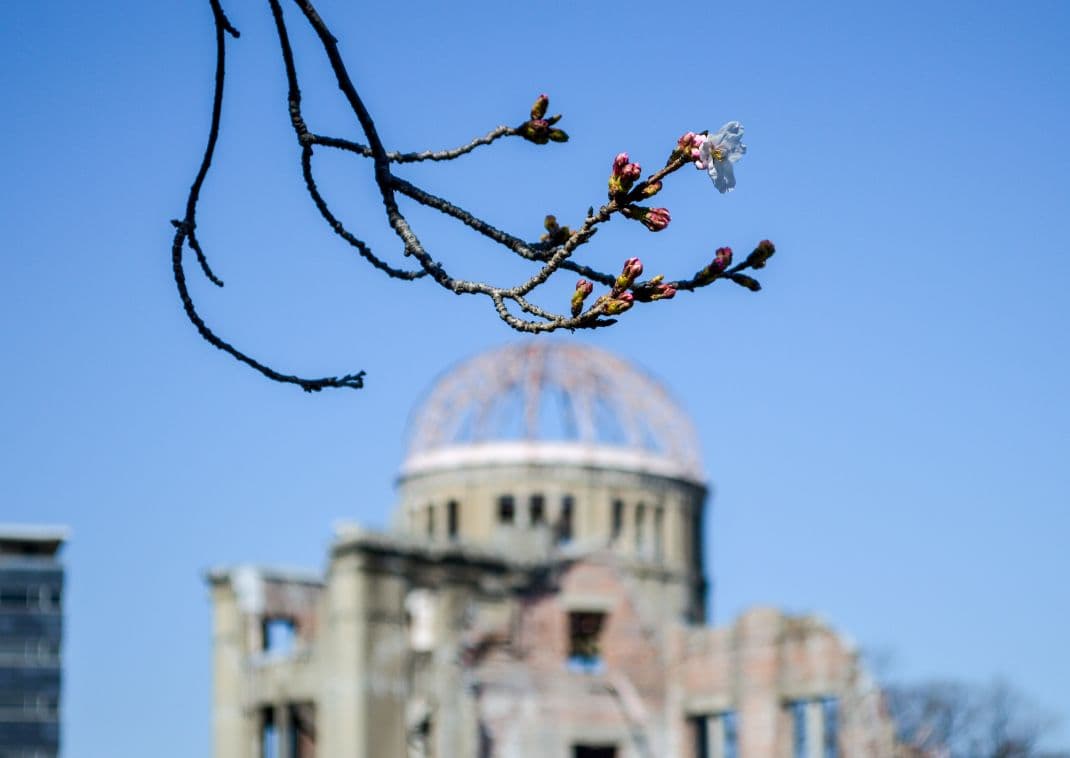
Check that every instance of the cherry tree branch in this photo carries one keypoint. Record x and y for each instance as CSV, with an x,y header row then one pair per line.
x,y
553,253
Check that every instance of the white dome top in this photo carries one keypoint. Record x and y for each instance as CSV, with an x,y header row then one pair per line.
x,y
552,402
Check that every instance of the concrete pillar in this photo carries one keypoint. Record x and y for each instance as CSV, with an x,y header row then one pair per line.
x,y
626,541
387,656
815,737
454,720
345,639
283,727
235,732
757,674
366,654
674,534
713,729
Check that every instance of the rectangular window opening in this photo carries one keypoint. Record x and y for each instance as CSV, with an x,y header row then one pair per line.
x,y
280,635
584,643
537,510
640,524
800,745
15,598
506,509
302,730
430,521
452,519
594,751
731,734
564,521
715,735
269,735
659,532
831,727
618,520
697,725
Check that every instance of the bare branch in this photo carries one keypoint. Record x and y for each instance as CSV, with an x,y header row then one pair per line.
x,y
426,155
184,229
552,254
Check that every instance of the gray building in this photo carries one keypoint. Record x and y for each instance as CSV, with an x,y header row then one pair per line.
x,y
540,594
31,636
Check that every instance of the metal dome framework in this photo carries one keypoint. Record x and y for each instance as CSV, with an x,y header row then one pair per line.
x,y
560,396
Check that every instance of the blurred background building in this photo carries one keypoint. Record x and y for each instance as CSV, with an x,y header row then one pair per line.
x,y
31,635
541,593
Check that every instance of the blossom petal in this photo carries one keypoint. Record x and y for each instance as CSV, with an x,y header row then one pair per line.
x,y
723,176
729,139
703,162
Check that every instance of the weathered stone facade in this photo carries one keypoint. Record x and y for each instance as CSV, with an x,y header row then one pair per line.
x,y
535,597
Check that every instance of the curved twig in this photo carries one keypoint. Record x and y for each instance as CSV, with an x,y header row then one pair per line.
x,y
426,155
184,231
554,253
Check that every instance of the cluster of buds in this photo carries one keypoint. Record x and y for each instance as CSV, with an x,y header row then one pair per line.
x,y
662,289
583,289
555,234
688,147
654,219
624,175
723,259
715,155
619,298
539,128
621,181
763,252
616,305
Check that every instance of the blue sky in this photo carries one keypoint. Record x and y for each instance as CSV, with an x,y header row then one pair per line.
x,y
885,424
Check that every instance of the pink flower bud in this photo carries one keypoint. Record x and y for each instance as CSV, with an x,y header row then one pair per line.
x,y
722,258
625,173
655,219
688,145
690,141
618,303
583,289
633,268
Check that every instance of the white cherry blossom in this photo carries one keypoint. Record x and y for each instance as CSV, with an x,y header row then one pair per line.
x,y
719,151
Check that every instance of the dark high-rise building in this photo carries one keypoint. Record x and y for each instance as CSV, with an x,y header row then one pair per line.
x,y
31,635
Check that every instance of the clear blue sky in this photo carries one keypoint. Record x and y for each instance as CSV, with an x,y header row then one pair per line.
x,y
885,424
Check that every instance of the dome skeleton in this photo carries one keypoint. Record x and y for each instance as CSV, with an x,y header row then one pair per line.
x,y
561,393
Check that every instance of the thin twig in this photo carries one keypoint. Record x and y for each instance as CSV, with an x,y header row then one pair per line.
x,y
184,228
426,155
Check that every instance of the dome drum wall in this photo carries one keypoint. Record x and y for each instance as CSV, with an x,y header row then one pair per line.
x,y
547,448
650,522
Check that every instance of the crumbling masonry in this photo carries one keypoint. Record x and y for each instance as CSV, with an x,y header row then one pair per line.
x,y
541,594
